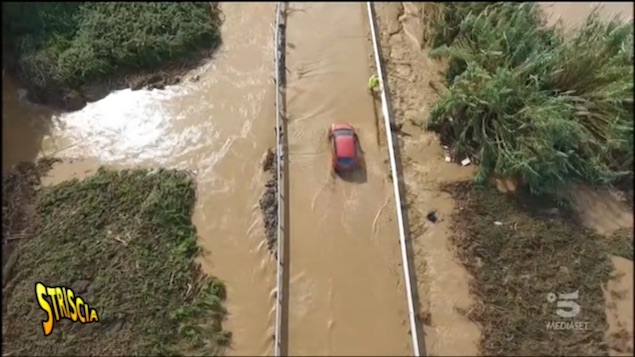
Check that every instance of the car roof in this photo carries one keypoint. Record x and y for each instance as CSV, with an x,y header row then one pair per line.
x,y
345,146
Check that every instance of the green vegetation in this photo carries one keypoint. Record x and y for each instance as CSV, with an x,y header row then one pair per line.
x,y
373,83
125,242
526,100
517,253
551,107
67,44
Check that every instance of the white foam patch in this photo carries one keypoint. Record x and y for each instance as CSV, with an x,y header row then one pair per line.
x,y
128,126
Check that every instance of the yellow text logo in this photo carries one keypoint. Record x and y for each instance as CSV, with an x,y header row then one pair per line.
x,y
62,303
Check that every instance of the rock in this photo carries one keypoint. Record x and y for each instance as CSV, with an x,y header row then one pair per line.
x,y
395,126
432,216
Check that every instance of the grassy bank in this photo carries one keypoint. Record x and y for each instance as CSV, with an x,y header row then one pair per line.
x,y
69,44
125,243
517,253
526,101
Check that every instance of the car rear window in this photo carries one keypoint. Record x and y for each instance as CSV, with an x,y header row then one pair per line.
x,y
345,132
345,161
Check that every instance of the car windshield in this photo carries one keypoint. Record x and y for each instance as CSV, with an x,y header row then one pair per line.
x,y
343,132
345,161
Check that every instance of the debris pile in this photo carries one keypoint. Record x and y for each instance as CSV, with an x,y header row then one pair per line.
x,y
269,201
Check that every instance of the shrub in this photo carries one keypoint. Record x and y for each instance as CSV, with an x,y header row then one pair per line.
x,y
526,100
75,43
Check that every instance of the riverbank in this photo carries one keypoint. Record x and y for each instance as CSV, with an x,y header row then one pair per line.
x,y
116,238
522,250
67,54
455,226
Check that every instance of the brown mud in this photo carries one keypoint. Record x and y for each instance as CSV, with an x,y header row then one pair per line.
x,y
442,282
618,295
269,200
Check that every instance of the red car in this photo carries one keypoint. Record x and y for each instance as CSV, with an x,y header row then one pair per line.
x,y
344,147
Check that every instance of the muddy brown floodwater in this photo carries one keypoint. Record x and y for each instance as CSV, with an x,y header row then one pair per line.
x,y
572,13
345,294
219,127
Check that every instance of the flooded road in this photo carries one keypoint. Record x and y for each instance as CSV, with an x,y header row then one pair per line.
x,y
218,127
345,293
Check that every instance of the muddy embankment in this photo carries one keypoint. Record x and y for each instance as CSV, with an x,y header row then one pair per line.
x,y
442,283
415,83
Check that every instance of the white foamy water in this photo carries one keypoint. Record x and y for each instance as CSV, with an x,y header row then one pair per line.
x,y
130,126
